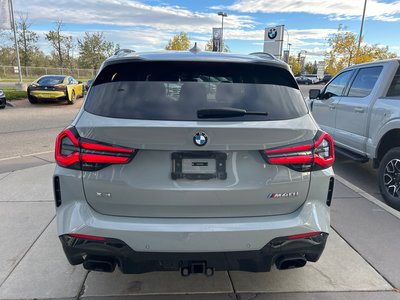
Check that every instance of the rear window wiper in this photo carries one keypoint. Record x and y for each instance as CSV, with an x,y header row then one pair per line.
x,y
226,112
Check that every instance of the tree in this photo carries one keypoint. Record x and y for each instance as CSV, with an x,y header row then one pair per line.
x,y
295,65
311,68
209,46
344,51
179,42
27,40
61,44
93,49
7,56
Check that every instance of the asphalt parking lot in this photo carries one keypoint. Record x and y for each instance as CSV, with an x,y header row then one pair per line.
x,y
360,261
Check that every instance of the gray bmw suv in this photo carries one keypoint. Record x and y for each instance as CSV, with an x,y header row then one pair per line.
x,y
193,161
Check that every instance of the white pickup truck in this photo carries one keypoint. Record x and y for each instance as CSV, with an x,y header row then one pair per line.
x,y
360,109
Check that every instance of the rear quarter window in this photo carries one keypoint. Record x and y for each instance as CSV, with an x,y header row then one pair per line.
x,y
364,81
394,89
176,90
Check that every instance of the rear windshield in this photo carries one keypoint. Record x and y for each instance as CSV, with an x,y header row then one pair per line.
x,y
176,90
51,80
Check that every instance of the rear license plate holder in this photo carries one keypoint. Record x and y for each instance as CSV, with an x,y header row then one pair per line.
x,y
198,165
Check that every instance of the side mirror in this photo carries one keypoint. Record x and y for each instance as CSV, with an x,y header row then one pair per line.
x,y
314,93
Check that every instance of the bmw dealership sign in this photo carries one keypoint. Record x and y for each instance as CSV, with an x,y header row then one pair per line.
x,y
273,40
272,33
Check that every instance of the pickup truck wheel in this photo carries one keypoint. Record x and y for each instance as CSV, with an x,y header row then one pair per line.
x,y
389,177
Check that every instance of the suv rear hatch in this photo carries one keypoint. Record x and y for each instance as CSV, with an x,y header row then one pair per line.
x,y
186,166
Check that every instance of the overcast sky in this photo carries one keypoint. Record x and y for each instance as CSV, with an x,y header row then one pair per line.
x,y
149,24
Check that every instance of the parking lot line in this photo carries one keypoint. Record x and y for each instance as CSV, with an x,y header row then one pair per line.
x,y
26,155
32,184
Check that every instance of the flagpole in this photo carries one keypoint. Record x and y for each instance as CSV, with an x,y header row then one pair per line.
x,y
16,43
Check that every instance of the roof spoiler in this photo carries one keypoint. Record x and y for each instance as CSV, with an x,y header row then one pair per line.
x,y
264,55
121,52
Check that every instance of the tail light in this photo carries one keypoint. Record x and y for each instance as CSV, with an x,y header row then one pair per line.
x,y
87,237
78,153
62,88
317,154
303,235
315,238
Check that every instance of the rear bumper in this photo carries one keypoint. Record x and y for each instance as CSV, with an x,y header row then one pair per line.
x,y
49,95
241,243
132,262
192,234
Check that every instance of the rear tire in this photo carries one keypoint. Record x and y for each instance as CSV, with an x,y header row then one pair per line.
x,y
73,98
32,100
389,177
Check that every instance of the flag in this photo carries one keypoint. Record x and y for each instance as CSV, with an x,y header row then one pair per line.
x,y
286,56
5,18
217,39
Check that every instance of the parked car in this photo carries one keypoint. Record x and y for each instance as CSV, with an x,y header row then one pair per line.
x,y
314,78
195,179
55,87
326,78
88,84
360,109
2,99
304,80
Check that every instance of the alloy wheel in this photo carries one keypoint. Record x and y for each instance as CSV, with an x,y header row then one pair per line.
x,y
391,177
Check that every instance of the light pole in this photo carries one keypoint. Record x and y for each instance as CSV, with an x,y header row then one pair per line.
x,y
223,15
16,44
362,25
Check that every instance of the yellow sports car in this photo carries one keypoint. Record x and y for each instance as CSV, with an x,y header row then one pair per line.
x,y
55,87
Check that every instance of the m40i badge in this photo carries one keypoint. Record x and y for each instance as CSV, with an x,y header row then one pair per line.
x,y
282,195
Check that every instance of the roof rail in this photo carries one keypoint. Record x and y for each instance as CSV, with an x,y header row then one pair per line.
x,y
120,52
265,55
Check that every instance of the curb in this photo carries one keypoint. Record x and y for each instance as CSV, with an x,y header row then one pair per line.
x,y
369,197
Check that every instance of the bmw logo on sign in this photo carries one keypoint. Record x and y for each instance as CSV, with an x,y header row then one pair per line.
x,y
272,33
200,139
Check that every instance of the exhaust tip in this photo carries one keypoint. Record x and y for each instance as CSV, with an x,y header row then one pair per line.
x,y
99,263
290,262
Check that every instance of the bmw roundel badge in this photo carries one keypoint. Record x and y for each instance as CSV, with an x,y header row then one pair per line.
x,y
200,139
272,33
